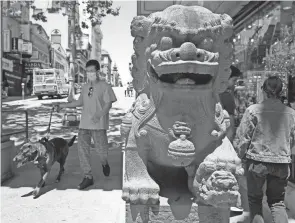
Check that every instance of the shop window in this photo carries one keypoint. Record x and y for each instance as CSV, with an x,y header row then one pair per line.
x,y
260,47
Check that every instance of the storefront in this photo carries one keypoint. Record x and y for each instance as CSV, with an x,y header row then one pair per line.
x,y
15,54
259,42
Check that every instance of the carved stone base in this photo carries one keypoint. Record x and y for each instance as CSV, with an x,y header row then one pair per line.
x,y
175,212
7,153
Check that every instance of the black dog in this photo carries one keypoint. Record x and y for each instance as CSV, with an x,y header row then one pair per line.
x,y
44,153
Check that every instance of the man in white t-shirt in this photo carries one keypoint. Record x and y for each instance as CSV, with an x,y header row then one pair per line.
x,y
96,98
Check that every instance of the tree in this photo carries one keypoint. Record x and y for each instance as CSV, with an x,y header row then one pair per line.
x,y
94,11
281,55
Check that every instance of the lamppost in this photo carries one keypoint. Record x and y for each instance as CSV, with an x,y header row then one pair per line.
x,y
72,17
1,48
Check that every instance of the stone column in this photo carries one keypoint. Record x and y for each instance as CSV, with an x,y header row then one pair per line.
x,y
7,153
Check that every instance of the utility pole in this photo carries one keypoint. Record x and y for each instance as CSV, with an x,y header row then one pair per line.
x,y
73,49
1,49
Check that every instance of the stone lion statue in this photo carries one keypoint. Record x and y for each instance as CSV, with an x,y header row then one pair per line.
x,y
181,63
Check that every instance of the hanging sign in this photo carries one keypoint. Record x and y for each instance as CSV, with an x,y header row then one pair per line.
x,y
6,41
7,64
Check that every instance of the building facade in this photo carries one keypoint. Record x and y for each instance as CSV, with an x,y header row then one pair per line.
x,y
41,55
17,46
106,66
59,57
59,20
229,7
96,38
260,27
83,52
58,54
41,46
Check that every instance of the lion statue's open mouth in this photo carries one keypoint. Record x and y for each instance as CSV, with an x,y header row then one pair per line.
x,y
185,65
183,78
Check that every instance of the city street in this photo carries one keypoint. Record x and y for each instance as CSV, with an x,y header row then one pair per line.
x,y
39,112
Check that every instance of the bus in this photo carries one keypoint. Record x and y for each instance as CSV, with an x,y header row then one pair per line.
x,y
50,82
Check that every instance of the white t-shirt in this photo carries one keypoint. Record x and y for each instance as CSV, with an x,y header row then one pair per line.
x,y
102,93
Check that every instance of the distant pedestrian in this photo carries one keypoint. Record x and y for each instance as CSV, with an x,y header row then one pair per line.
x,y
228,102
227,99
264,141
127,90
96,98
285,101
5,85
130,89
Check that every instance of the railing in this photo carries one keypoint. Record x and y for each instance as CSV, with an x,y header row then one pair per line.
x,y
26,130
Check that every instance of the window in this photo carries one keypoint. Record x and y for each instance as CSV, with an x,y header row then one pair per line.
x,y
50,81
255,43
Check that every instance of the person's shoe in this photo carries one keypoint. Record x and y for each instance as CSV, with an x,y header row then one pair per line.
x,y
85,183
258,219
106,170
236,209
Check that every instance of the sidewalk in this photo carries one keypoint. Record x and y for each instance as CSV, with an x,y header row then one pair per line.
x,y
62,202
17,98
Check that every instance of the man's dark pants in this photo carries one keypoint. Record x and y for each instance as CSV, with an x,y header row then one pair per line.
x,y
276,178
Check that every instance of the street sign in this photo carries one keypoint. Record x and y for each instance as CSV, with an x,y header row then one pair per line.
x,y
14,44
29,66
7,64
27,47
21,46
35,55
6,41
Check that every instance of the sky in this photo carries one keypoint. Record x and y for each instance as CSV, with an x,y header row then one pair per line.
x,y
117,39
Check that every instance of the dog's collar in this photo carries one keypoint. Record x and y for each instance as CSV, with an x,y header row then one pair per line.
x,y
41,152
46,143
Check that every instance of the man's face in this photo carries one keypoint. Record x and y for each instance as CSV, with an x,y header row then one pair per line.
x,y
91,69
92,73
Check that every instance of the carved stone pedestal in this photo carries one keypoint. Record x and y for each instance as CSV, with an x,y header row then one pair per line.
x,y
209,214
177,211
7,153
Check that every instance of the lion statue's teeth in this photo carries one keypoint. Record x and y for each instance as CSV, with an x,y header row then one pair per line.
x,y
185,81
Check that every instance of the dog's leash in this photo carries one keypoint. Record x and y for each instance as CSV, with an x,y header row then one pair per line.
x,y
48,129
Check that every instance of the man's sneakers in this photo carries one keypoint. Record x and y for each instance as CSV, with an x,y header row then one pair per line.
x,y
237,209
85,183
106,170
